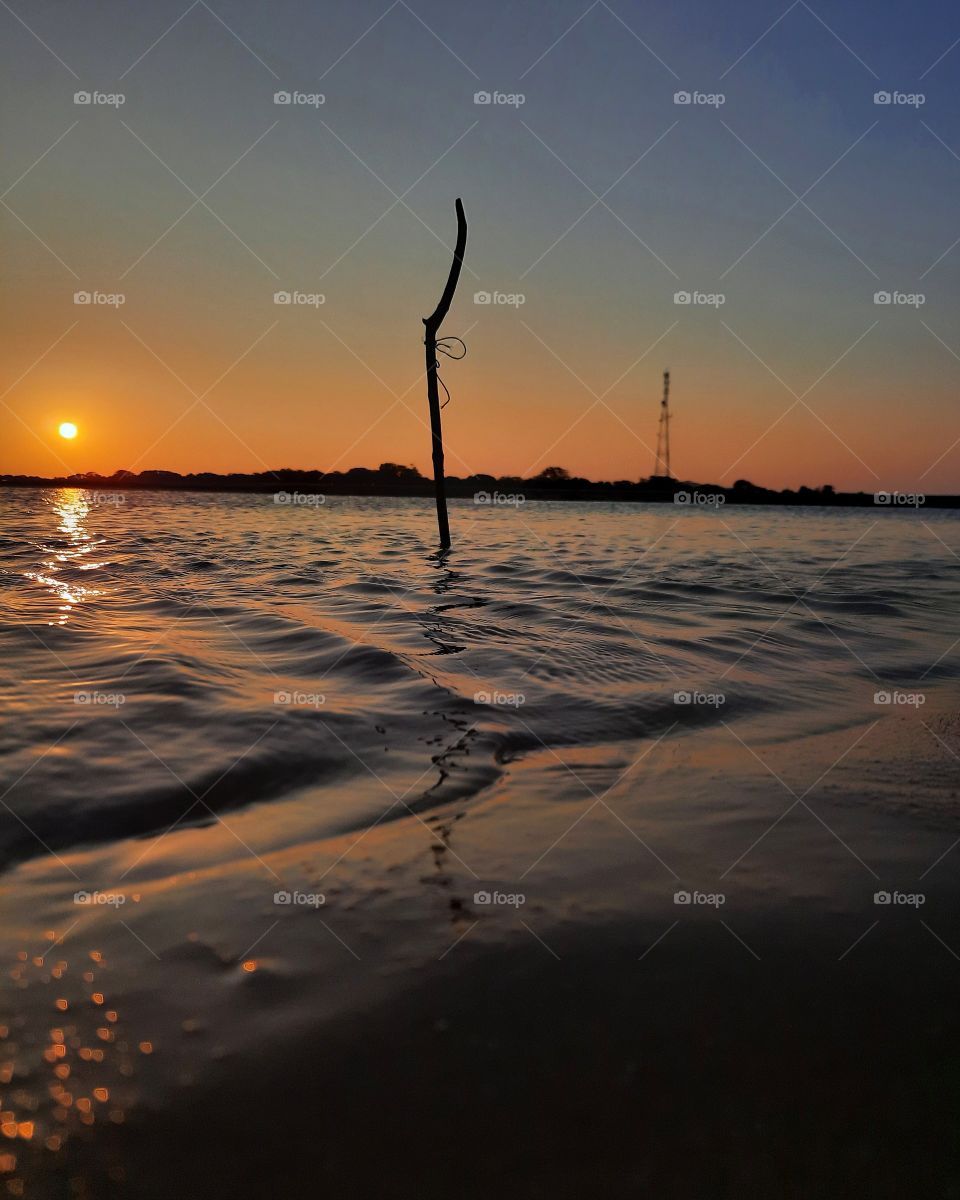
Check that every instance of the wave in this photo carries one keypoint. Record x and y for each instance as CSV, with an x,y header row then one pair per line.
x,y
263,661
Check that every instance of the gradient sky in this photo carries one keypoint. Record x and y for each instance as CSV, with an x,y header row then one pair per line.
x,y
200,370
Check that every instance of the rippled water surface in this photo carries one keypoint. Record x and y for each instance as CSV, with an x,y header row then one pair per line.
x,y
249,652
210,700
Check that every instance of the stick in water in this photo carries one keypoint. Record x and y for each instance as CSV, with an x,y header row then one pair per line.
x,y
433,323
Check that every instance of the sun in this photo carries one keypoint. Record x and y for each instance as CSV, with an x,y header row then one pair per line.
x,y
68,430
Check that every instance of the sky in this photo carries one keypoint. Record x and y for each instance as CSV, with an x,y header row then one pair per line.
x,y
783,199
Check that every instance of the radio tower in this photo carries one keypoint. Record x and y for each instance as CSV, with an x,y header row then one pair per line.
x,y
662,464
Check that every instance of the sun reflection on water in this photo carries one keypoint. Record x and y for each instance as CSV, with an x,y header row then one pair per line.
x,y
67,1063
67,552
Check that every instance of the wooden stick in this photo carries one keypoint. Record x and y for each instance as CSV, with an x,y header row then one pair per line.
x,y
433,323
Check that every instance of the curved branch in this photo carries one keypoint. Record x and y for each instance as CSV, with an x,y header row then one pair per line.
x,y
434,321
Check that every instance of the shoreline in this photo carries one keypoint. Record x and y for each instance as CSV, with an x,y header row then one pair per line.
x,y
644,1034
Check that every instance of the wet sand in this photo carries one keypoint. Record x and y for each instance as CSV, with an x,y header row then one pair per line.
x,y
786,1044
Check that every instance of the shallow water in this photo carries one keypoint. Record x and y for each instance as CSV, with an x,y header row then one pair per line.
x,y
155,641
211,699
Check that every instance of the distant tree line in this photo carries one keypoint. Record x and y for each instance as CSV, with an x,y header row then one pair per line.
x,y
398,479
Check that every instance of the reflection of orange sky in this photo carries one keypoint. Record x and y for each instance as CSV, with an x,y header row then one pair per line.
x,y
300,399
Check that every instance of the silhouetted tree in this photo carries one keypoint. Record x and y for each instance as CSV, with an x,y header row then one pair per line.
x,y
397,471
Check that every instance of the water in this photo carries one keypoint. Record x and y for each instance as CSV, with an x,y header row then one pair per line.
x,y
153,643
209,700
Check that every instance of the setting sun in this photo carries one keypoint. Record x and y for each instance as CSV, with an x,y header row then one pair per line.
x,y
68,430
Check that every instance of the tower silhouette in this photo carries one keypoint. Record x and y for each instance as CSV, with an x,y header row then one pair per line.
x,y
661,467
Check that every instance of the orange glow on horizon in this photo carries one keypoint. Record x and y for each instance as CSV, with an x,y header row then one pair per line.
x,y
306,407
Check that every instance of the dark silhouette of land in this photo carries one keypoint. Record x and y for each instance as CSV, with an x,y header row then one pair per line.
x,y
554,483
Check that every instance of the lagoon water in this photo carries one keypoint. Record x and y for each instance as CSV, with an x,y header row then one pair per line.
x,y
329,861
